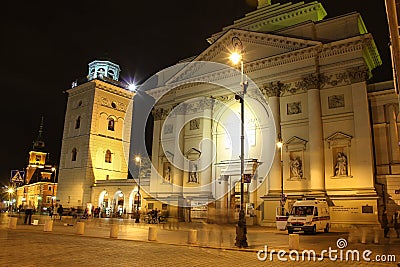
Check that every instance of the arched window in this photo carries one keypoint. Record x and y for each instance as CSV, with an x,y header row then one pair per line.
x,y
78,122
108,156
74,154
111,124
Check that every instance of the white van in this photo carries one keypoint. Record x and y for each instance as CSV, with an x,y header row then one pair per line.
x,y
309,216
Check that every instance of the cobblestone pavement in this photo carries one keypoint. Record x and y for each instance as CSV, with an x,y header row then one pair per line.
x,y
29,245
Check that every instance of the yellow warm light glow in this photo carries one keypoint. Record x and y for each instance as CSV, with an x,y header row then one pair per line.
x,y
137,158
235,57
10,190
279,144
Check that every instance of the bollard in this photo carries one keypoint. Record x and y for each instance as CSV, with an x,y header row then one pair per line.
x,y
152,233
114,231
294,241
192,236
48,226
363,235
376,235
12,223
80,228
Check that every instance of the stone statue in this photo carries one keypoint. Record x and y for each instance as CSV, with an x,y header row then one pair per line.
x,y
341,164
167,174
295,168
193,173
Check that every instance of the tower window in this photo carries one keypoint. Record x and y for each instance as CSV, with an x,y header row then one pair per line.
x,y
78,122
113,105
74,154
111,124
108,156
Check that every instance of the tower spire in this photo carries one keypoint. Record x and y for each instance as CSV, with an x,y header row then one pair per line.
x,y
38,144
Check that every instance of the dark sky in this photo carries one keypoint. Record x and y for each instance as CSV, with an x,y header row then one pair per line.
x,y
45,45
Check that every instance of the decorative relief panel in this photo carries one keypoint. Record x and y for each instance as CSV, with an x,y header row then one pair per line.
x,y
168,129
335,101
293,108
105,102
194,124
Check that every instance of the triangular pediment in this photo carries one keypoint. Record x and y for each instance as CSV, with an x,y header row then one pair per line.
x,y
255,46
339,136
294,140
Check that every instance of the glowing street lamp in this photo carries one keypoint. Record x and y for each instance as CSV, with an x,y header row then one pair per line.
x,y
132,87
138,160
241,239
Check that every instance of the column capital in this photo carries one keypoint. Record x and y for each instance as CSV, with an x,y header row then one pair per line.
x,y
271,89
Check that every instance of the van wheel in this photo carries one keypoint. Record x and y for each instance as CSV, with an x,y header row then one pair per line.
x,y
326,230
290,231
314,230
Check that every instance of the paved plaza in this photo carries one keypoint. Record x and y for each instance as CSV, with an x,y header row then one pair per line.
x,y
30,245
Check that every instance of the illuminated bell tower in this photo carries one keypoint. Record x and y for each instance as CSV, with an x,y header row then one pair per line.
x,y
37,156
92,149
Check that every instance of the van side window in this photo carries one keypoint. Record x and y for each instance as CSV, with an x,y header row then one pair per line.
x,y
316,211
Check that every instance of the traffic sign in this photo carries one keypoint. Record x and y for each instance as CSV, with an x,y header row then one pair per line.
x,y
17,176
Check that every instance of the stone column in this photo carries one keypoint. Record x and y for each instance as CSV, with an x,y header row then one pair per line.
x,y
223,195
393,134
316,145
179,159
206,149
272,90
156,151
362,129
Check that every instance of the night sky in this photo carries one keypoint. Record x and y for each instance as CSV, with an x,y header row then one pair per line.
x,y
46,45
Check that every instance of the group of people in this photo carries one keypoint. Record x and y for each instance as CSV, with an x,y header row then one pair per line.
x,y
60,211
395,221
154,216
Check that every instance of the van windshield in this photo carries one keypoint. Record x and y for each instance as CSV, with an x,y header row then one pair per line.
x,y
302,210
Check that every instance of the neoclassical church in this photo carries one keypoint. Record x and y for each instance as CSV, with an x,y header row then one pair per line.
x,y
307,89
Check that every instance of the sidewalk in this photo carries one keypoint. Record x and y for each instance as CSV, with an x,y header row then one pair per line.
x,y
208,235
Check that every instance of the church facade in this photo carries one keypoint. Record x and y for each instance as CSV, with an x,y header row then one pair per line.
x,y
313,74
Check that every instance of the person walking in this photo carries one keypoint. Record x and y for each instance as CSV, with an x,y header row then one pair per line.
x,y
396,223
28,214
385,223
60,211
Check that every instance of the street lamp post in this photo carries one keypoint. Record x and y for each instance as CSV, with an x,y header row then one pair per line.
x,y
10,192
280,146
54,182
241,229
138,159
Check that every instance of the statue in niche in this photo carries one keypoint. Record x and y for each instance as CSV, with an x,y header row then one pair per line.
x,y
193,173
296,168
167,173
341,164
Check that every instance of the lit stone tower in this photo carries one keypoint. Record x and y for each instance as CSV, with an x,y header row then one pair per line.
x,y
92,152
